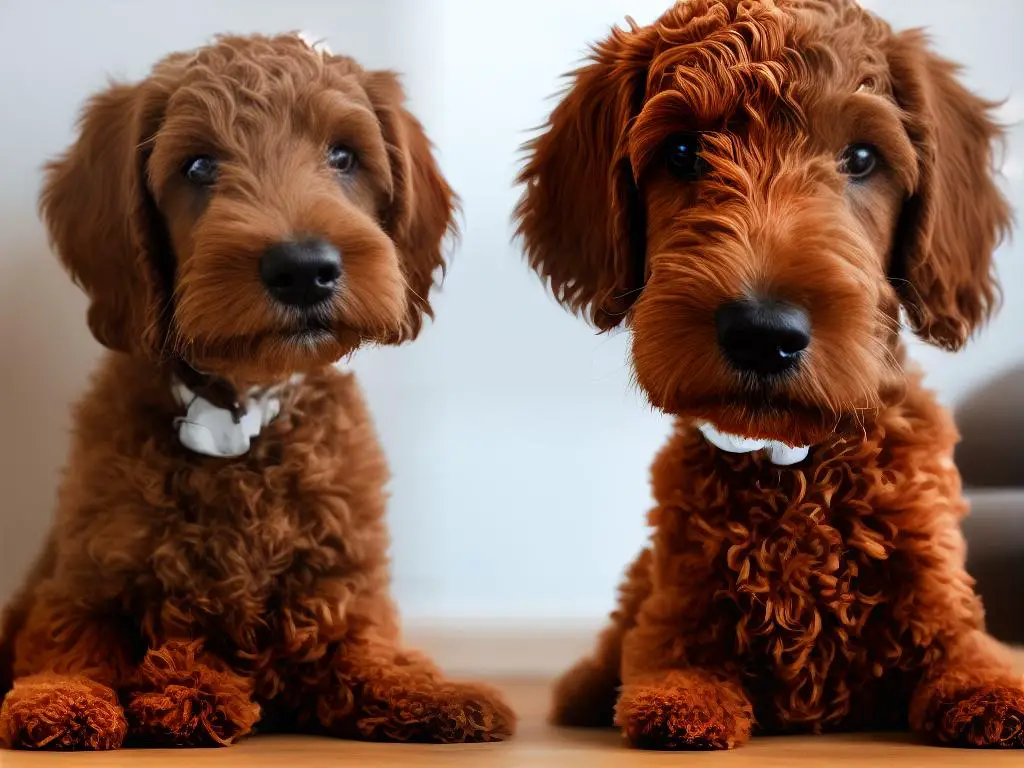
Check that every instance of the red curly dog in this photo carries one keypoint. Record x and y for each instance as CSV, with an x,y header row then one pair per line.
x,y
755,188
252,210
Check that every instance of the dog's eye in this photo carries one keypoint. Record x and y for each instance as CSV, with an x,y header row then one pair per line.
x,y
341,159
201,171
858,161
683,157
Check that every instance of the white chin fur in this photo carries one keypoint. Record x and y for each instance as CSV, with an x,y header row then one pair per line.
x,y
780,454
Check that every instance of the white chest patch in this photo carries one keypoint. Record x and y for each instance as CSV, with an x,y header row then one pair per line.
x,y
780,454
213,431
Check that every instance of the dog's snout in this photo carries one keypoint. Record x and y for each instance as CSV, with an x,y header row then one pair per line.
x,y
762,337
301,273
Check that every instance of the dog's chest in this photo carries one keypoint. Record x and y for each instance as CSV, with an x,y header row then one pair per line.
x,y
232,549
814,568
799,583
243,551
804,582
814,577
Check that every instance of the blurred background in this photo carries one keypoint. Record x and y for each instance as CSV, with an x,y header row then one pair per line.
x,y
519,448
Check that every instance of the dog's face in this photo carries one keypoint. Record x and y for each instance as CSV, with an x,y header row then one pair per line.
x,y
777,178
255,207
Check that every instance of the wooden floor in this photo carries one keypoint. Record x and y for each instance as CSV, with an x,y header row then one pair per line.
x,y
537,745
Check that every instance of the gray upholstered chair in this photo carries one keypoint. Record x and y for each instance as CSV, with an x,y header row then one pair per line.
x,y
991,459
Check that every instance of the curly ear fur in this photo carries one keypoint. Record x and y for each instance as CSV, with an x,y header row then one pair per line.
x,y
102,220
423,206
579,216
957,216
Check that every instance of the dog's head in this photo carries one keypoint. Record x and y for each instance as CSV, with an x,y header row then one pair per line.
x,y
755,187
256,206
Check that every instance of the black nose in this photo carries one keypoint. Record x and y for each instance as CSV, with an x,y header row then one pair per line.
x,y
762,337
301,273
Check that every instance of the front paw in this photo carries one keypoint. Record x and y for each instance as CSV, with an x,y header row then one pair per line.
x,y
179,700
684,712
983,716
61,713
434,711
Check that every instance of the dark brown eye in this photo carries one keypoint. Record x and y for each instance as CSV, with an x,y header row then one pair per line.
x,y
682,156
858,161
201,171
341,158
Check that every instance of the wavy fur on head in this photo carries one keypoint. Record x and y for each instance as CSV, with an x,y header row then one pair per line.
x,y
185,600
168,267
831,594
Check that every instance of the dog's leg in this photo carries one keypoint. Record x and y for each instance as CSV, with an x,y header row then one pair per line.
x,y
684,709
381,693
666,701
971,698
181,696
585,695
67,663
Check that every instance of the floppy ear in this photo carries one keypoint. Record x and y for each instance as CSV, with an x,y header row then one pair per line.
x,y
422,207
955,219
103,223
579,216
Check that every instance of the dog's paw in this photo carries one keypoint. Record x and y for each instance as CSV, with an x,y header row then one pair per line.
x,y
189,716
61,713
178,700
685,712
984,716
435,712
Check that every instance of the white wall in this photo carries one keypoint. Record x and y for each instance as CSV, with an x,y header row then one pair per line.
x,y
519,450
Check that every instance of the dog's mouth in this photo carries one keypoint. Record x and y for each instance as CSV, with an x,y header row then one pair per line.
x,y
295,344
310,330
747,423
317,334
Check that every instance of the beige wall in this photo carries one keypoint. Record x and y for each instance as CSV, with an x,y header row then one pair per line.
x,y
508,422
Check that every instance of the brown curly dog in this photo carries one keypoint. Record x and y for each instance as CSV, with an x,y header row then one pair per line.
x,y
755,188
251,211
